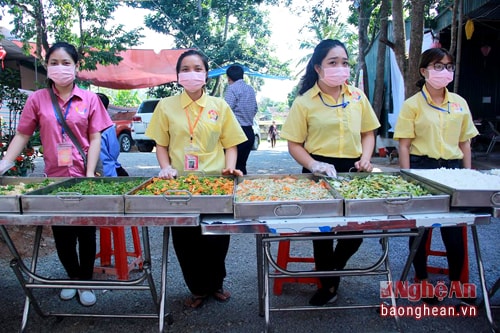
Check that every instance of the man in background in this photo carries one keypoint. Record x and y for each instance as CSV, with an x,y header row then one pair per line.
x,y
110,148
241,98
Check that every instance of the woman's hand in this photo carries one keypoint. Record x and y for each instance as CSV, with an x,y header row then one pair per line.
x,y
234,172
167,173
364,165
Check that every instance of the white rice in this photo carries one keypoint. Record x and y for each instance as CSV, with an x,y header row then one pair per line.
x,y
463,179
495,172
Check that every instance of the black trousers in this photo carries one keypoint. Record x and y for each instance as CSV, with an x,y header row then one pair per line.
x,y
78,265
202,259
325,258
452,236
244,149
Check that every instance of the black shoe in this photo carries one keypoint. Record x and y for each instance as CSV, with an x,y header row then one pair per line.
x,y
323,296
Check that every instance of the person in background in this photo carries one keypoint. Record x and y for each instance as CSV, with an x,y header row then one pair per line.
x,y
273,134
110,148
434,129
330,128
195,132
241,98
87,118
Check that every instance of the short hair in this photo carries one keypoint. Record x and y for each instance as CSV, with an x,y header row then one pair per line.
x,y
235,72
104,99
430,56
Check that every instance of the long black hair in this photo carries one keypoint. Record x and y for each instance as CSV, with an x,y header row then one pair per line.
x,y
431,56
320,51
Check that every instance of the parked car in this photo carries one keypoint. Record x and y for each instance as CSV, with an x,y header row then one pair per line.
x,y
139,124
256,130
122,118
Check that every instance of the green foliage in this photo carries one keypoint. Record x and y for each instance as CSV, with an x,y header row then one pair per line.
x,y
164,90
325,24
227,32
14,99
96,41
126,98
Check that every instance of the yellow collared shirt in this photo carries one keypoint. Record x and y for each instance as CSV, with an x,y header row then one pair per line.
x,y
435,130
330,131
216,129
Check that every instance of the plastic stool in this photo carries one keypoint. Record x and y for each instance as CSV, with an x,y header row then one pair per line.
x,y
122,267
282,260
464,276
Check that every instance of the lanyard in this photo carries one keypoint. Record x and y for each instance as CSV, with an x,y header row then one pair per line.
x,y
193,126
65,114
435,107
343,104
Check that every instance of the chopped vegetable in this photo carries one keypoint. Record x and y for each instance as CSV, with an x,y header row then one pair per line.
x,y
281,189
97,186
22,188
377,186
193,184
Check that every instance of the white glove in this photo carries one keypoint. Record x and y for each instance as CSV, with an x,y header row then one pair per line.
x,y
5,165
323,168
168,173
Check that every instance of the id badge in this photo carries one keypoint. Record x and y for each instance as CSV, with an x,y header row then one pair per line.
x,y
64,154
191,160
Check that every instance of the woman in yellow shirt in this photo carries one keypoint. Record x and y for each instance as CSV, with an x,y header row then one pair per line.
x,y
195,132
330,128
434,129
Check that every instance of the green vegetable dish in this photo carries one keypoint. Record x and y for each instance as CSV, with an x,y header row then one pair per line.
x,y
377,186
23,188
97,186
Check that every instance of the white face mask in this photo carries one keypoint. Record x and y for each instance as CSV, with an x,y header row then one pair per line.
x,y
335,76
439,79
61,75
192,81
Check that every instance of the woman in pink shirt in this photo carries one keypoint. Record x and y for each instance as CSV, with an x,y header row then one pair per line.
x,y
87,118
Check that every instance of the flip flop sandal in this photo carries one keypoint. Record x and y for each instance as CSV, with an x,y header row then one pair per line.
x,y
222,295
195,302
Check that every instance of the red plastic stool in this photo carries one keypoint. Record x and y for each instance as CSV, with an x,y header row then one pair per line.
x,y
282,260
122,267
464,276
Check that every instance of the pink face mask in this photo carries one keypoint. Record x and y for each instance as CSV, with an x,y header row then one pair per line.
x,y
439,80
192,81
335,76
61,75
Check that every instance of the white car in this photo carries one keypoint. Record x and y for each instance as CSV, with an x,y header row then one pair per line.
x,y
139,124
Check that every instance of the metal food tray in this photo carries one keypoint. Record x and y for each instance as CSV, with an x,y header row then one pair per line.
x,y
42,202
439,202
11,203
463,197
177,203
288,209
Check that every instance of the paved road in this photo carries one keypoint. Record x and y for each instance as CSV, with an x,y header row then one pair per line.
x,y
240,314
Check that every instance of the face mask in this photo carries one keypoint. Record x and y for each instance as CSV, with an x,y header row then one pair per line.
x,y
192,81
61,75
439,80
335,76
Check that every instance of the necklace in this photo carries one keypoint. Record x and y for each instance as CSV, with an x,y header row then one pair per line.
x,y
343,104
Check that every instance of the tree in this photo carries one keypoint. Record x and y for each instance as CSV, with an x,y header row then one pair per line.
x,y
82,23
325,24
225,31
365,9
378,92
